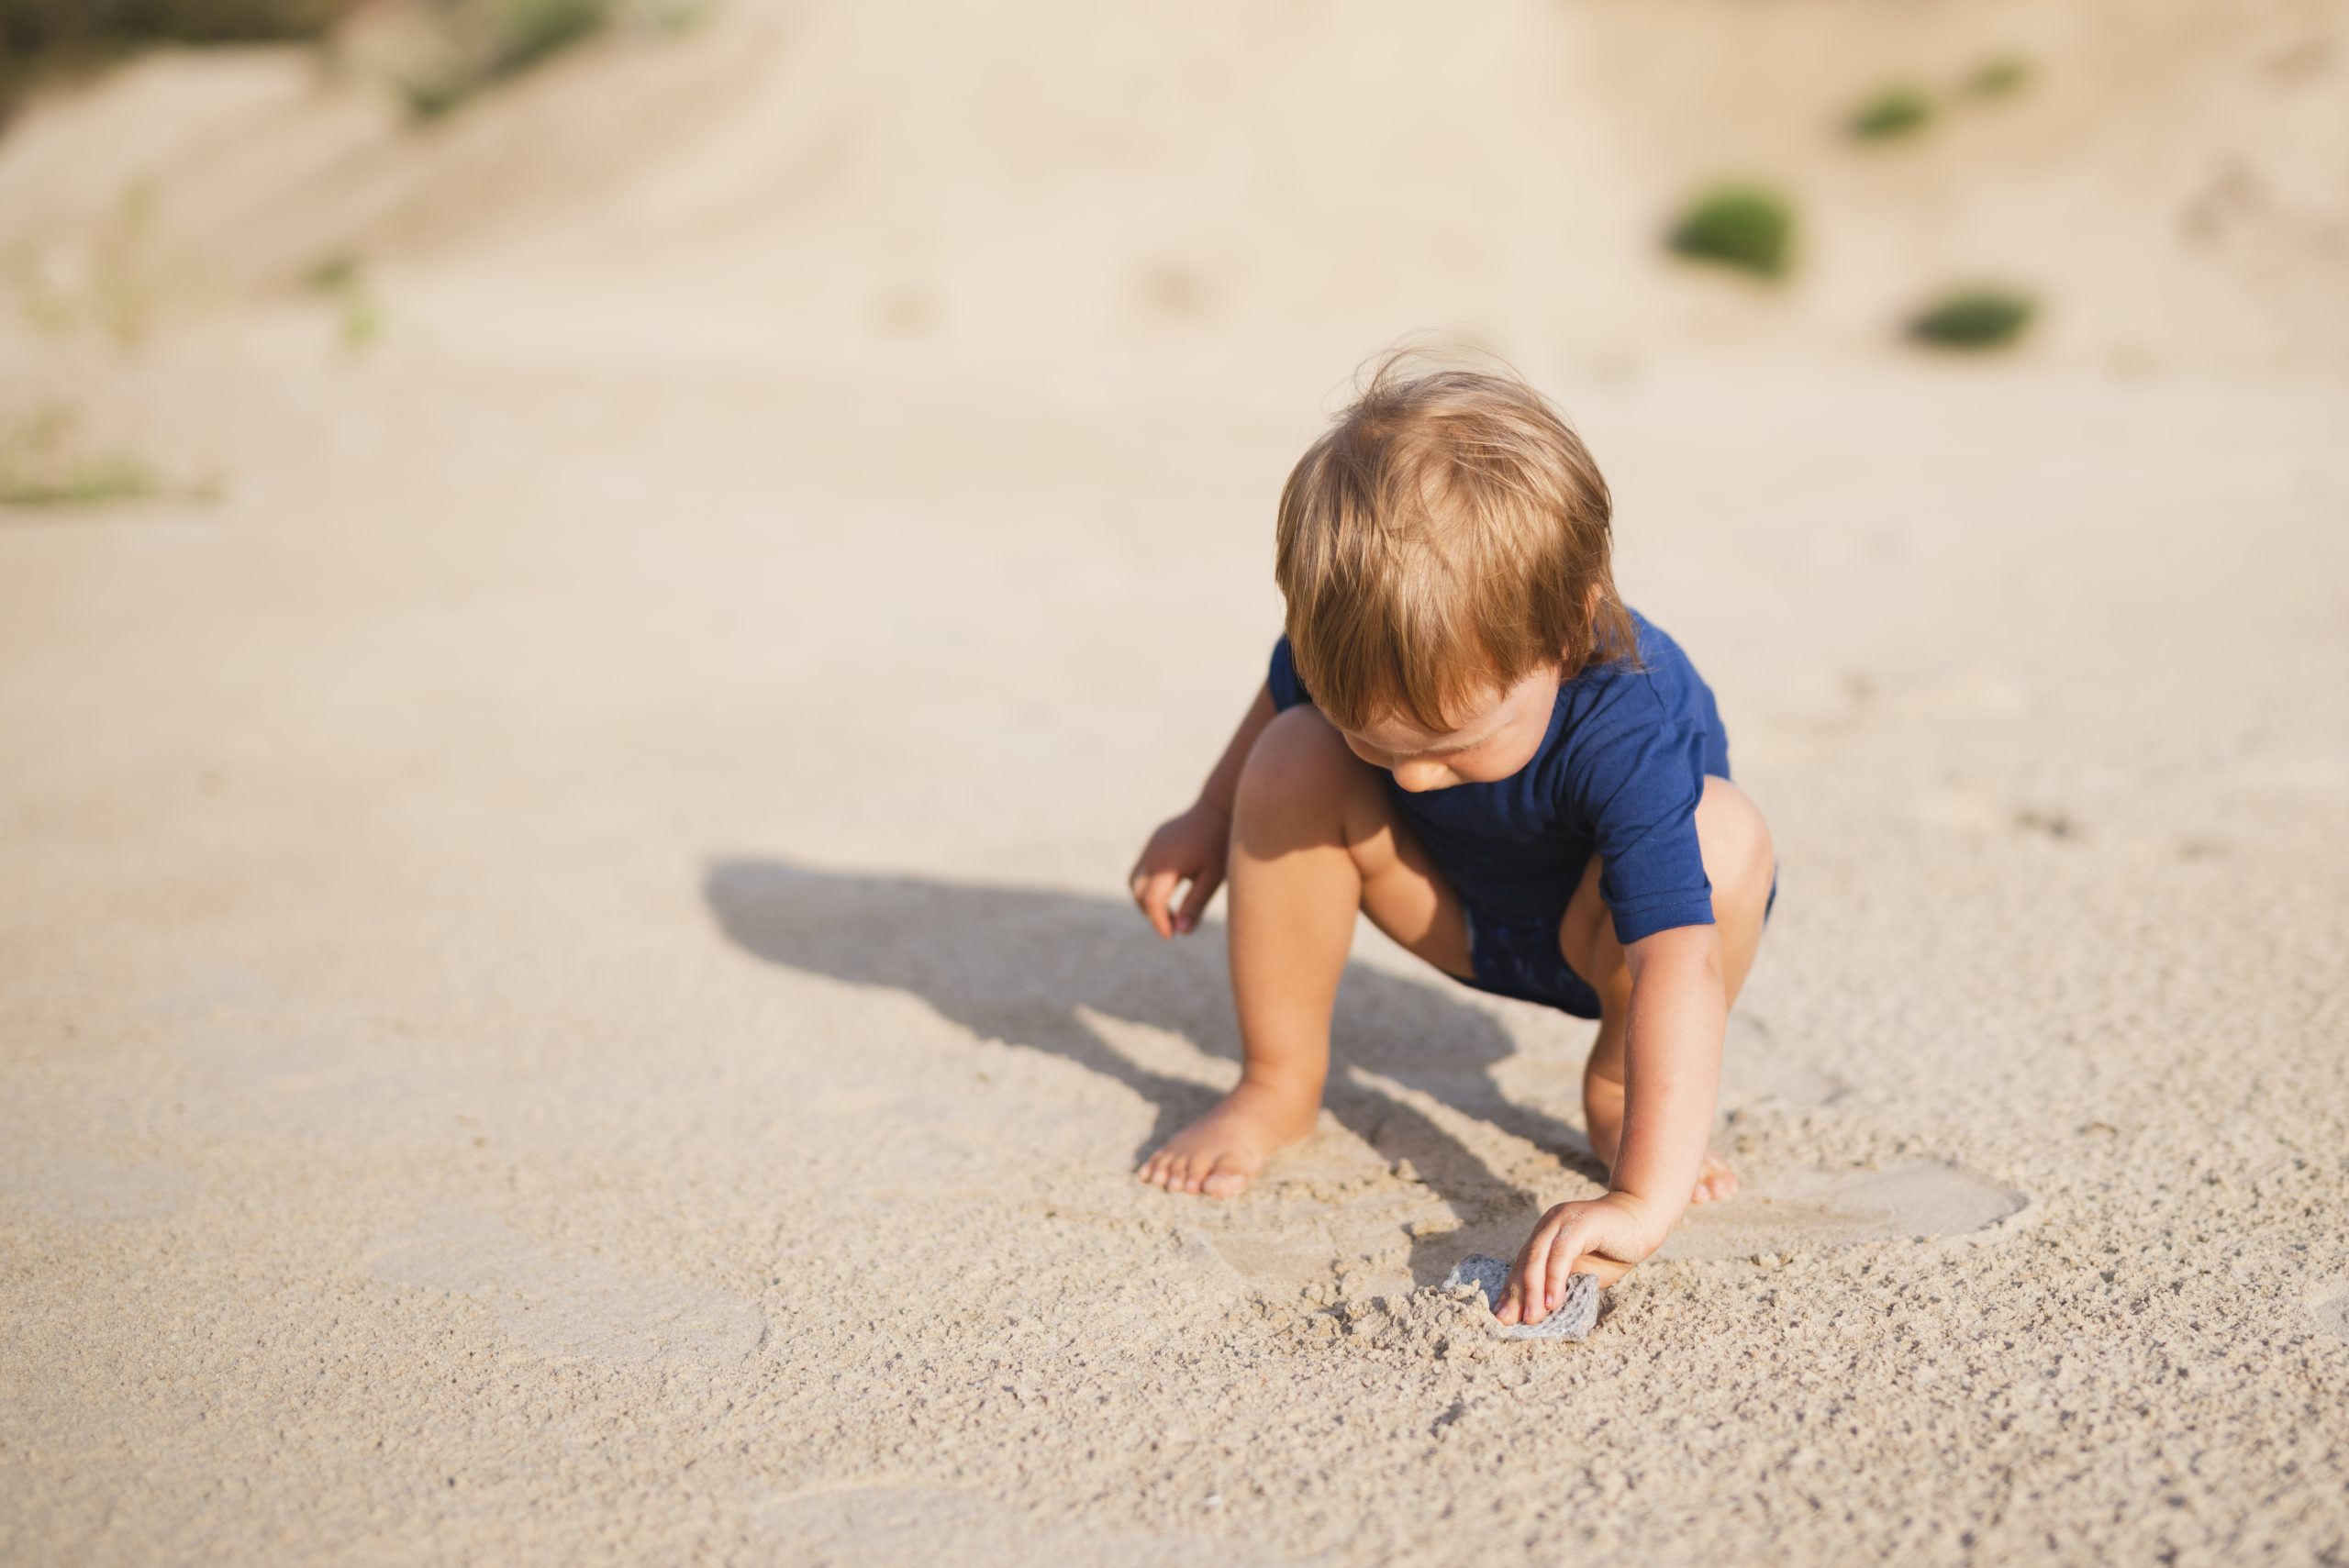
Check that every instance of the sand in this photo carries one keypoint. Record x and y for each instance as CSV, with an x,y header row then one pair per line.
x,y
565,988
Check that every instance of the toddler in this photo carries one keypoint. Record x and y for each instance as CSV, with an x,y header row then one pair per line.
x,y
1468,736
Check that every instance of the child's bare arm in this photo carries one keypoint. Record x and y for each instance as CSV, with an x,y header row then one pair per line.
x,y
1223,785
1672,1059
1192,846
1672,1052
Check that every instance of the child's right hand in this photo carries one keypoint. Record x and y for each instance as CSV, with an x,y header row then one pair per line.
x,y
1190,848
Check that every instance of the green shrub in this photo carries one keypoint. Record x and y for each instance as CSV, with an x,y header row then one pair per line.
x,y
41,39
480,42
2000,76
34,27
44,462
489,41
1744,226
1894,112
335,273
1973,318
433,91
91,481
42,465
342,279
532,31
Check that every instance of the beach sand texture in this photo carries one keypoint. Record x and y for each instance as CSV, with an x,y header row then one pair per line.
x,y
566,994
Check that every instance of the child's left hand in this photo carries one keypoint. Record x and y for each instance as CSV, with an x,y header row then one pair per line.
x,y
1603,1236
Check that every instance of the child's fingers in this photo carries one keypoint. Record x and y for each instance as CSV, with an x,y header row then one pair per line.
x,y
1560,1265
1151,893
1194,903
1533,1270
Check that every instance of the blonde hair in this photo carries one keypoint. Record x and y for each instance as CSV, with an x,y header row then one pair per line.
x,y
1450,530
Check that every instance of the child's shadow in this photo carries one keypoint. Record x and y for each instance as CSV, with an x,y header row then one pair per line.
x,y
1025,966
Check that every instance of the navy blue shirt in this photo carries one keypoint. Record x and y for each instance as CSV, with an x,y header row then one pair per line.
x,y
1619,775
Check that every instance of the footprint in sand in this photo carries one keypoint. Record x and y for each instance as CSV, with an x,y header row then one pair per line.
x,y
1793,1211
563,1305
2331,1314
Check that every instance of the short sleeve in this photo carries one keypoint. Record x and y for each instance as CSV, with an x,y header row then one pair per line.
x,y
1287,690
1640,785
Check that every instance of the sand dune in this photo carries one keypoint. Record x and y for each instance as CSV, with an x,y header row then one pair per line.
x,y
803,178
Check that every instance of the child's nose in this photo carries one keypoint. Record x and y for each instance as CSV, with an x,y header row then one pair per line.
x,y
1417,776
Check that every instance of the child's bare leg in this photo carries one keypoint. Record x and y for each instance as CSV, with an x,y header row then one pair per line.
x,y
1314,838
1739,861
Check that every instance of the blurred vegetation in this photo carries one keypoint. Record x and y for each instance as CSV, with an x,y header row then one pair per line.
x,y
44,36
42,465
1749,226
32,27
111,290
1973,318
1894,112
343,281
2000,76
474,44
489,41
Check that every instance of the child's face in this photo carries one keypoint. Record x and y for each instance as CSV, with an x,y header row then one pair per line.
x,y
1498,737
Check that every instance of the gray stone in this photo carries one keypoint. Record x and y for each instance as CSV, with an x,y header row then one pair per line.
x,y
1573,1319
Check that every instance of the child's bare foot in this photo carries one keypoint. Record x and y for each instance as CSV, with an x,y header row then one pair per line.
x,y
1714,1179
1221,1152
1602,1104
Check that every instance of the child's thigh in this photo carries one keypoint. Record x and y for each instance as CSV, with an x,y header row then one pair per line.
x,y
1739,861
1302,763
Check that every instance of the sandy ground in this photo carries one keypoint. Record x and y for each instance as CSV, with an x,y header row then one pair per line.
x,y
565,990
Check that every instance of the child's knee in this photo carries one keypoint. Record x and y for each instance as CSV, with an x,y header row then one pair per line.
x,y
1735,843
1300,759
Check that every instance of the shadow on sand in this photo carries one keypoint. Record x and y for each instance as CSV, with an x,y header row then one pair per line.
x,y
1025,966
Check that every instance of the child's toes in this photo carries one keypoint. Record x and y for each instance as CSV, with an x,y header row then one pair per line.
x,y
1227,1180
1714,1180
